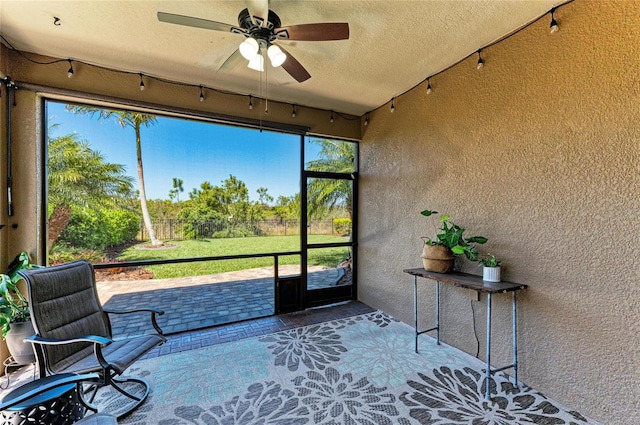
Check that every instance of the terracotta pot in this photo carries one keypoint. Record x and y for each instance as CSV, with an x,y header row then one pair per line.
x,y
22,352
437,258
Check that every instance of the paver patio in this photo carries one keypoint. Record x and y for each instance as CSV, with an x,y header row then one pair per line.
x,y
200,301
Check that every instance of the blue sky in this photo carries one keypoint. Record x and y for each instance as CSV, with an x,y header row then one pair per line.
x,y
192,151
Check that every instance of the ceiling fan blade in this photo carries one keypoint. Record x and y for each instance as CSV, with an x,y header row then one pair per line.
x,y
195,22
232,61
295,68
314,32
259,9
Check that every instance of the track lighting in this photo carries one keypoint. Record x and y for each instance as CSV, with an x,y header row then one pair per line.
x,y
428,86
480,64
276,56
266,106
331,118
393,104
249,48
366,120
141,83
553,27
201,95
250,102
70,71
293,111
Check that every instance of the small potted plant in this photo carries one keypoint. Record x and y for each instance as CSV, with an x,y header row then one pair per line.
x,y
438,254
490,268
15,319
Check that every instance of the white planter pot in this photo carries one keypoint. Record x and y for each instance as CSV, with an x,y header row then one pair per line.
x,y
491,274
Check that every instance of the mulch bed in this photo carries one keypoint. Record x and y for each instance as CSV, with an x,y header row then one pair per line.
x,y
124,273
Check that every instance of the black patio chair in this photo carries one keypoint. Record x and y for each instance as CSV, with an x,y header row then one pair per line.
x,y
73,332
53,400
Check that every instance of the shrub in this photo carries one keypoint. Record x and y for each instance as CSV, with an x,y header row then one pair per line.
x,y
342,226
63,253
100,228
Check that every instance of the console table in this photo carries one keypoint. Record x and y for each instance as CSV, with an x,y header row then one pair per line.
x,y
473,282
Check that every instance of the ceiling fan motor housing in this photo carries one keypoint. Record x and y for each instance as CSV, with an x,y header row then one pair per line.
x,y
256,29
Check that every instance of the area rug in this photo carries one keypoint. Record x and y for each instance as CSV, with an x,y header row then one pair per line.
x,y
360,370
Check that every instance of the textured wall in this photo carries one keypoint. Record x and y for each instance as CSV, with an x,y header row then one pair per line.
x,y
540,152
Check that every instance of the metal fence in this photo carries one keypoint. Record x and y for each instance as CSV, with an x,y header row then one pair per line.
x,y
173,229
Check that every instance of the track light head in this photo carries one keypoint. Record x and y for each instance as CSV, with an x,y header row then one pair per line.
x,y
366,120
201,94
393,105
331,118
293,111
428,86
250,102
141,83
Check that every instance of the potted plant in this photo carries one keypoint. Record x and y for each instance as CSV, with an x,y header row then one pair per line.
x,y
438,254
15,320
490,268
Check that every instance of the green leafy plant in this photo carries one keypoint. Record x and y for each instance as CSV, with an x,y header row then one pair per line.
x,y
489,260
14,307
452,236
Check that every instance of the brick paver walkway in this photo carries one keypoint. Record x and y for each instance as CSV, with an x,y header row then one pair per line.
x,y
200,301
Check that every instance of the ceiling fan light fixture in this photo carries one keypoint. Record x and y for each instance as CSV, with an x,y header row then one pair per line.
x,y
249,48
257,63
276,55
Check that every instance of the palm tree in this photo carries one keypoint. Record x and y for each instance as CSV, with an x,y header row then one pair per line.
x,y
79,176
134,120
326,194
177,189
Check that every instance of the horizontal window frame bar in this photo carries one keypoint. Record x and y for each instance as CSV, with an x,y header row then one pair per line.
x,y
136,263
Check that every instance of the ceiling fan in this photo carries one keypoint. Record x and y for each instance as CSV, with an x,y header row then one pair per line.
x,y
261,28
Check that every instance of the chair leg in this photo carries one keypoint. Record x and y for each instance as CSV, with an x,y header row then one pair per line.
x,y
116,384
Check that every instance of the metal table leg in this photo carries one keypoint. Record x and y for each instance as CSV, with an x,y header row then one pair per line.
x,y
515,341
437,312
415,309
488,374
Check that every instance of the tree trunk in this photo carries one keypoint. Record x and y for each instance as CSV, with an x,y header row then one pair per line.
x,y
57,222
143,196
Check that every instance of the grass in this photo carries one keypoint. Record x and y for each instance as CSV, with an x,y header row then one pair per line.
x,y
329,257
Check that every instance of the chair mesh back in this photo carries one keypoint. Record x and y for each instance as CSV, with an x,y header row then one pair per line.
x,y
64,304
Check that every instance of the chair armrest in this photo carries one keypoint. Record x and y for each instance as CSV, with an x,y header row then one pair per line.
x,y
48,384
97,341
94,339
154,312
137,310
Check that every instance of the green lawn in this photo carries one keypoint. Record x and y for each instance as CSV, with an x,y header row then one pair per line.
x,y
215,247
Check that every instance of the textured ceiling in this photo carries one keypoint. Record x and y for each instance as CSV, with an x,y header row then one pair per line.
x,y
393,44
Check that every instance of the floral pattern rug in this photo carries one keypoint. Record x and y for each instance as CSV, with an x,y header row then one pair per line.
x,y
361,370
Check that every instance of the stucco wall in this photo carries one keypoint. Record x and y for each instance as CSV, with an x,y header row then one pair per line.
x,y
539,152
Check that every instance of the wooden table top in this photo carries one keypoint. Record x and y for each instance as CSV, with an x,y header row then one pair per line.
x,y
468,281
